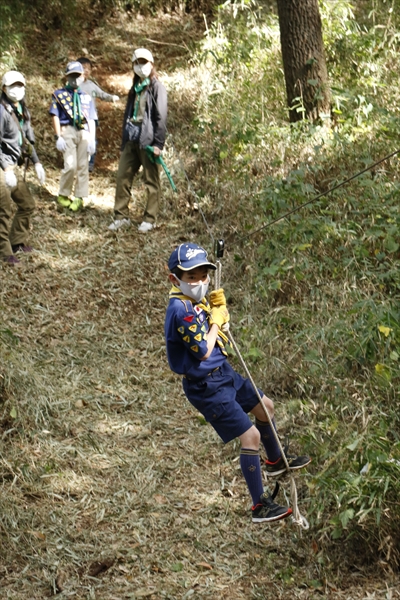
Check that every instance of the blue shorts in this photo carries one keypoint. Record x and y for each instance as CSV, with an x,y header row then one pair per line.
x,y
223,398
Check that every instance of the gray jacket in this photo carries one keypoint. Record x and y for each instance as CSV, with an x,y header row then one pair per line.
x,y
154,124
91,88
11,151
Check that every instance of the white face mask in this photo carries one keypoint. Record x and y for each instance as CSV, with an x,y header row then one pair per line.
x,y
196,291
143,70
15,93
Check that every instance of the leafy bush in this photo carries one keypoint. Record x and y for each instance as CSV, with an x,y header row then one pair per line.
x,y
318,300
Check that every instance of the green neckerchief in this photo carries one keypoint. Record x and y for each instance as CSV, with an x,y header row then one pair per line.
x,y
77,110
139,87
222,339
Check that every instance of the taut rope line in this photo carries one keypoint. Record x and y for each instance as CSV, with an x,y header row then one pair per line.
x,y
297,517
330,190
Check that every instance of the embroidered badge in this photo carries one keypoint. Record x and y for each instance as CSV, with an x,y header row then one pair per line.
x,y
186,339
189,318
193,328
194,348
181,330
198,337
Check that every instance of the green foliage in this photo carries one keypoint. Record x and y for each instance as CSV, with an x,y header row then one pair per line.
x,y
318,308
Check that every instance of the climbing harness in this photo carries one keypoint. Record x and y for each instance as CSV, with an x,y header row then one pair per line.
x,y
297,517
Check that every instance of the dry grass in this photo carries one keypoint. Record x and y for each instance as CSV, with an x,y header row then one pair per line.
x,y
111,486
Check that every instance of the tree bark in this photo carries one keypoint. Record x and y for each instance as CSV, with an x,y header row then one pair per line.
x,y
303,55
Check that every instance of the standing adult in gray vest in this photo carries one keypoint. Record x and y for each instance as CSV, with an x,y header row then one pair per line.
x,y
145,124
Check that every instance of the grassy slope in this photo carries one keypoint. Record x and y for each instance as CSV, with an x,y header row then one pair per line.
x,y
106,462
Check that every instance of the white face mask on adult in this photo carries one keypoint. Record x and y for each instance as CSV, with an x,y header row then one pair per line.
x,y
196,291
15,93
143,70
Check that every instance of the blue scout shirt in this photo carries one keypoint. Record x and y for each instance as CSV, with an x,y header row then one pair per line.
x,y
186,328
62,105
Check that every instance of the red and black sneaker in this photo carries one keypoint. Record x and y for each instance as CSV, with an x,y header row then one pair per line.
x,y
267,510
278,467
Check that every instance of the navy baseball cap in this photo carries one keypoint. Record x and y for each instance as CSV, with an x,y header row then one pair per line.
x,y
189,256
74,67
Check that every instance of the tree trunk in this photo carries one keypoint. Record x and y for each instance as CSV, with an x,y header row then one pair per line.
x,y
306,76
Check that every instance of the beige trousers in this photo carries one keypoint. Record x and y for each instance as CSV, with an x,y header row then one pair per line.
x,y
19,232
75,162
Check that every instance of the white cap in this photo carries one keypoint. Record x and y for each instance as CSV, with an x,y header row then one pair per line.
x,y
143,53
12,77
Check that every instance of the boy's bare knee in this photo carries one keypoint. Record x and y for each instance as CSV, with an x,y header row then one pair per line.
x,y
259,412
250,439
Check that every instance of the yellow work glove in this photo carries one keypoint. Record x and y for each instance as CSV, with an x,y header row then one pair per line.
x,y
217,298
219,315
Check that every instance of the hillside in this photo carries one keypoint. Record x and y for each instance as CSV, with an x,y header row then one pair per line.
x,y
112,486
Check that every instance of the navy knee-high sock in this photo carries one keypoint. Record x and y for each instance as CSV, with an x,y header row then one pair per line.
x,y
251,469
268,439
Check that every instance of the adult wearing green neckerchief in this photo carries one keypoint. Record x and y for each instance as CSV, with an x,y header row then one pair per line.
x,y
17,149
145,123
73,116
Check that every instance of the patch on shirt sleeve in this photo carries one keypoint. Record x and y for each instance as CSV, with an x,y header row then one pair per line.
x,y
189,318
198,337
186,339
194,348
193,328
181,330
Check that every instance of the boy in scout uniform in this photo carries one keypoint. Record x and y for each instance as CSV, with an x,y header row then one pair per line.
x,y
73,117
196,349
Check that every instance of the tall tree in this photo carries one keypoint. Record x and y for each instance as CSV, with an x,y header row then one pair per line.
x,y
303,57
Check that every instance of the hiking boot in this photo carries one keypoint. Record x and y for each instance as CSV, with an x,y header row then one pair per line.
x,y
21,248
145,227
267,510
76,205
11,260
63,201
119,223
295,462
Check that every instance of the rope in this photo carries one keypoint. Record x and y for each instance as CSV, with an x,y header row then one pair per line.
x,y
329,191
297,517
